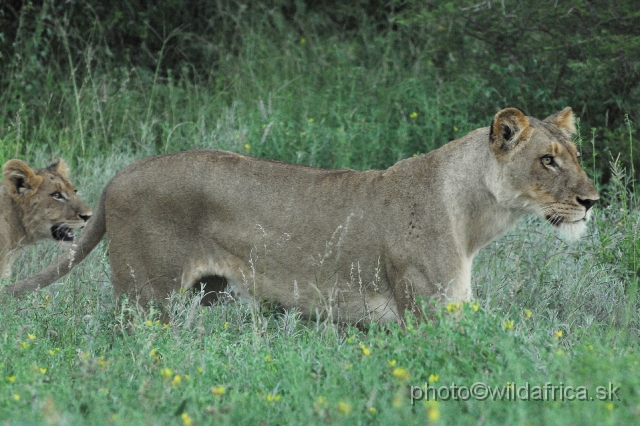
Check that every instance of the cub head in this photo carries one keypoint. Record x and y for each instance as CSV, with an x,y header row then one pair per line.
x,y
46,199
541,169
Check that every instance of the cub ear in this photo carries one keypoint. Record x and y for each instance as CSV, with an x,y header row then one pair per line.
x,y
19,178
564,119
509,129
60,167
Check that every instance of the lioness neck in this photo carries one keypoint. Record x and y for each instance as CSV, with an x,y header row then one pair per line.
x,y
472,192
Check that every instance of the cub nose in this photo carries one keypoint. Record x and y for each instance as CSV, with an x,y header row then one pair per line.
x,y
85,216
586,202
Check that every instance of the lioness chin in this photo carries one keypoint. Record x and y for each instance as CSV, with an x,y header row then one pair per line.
x,y
36,205
350,245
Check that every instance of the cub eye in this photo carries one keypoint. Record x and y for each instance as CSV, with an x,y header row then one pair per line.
x,y
57,196
547,160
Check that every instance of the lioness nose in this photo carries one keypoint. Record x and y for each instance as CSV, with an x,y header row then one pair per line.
x,y
85,216
586,202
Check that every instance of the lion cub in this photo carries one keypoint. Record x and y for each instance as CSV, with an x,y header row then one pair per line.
x,y
36,205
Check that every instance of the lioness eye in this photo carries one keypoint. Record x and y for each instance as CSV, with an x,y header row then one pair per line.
x,y
547,160
57,196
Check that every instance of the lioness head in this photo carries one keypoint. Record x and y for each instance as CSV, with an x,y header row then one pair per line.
x,y
545,176
46,199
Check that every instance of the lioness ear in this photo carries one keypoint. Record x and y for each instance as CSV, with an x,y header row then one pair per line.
x,y
19,178
564,119
60,167
509,129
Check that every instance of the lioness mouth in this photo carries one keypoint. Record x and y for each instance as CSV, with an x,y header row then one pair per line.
x,y
62,233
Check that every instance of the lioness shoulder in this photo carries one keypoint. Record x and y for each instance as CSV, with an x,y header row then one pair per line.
x,y
36,205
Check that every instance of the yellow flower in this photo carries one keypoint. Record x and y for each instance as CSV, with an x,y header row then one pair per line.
x,y
303,41
43,370
16,397
311,120
166,373
52,352
154,353
102,362
433,378
247,147
475,307
392,363
11,379
31,336
560,352
149,323
609,406
200,370
166,325
455,129
508,325
414,115
397,401
344,407
218,390
268,359
590,347
320,403
452,307
176,380
433,413
225,325
348,366
351,339
401,374
186,419
365,350
557,334
24,345
273,398
372,410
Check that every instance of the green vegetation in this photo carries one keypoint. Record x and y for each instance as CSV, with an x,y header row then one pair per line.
x,y
327,85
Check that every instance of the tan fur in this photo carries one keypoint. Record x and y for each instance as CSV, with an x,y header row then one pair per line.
x,y
350,245
33,204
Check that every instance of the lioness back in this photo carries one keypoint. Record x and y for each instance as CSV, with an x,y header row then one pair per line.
x,y
349,245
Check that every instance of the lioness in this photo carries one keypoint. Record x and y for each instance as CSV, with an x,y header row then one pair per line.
x,y
36,205
351,245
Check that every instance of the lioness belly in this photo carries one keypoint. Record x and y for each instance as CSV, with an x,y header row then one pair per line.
x,y
335,301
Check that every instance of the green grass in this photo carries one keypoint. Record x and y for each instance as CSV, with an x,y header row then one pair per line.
x,y
69,356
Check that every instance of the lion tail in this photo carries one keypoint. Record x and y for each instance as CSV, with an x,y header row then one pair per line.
x,y
89,239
